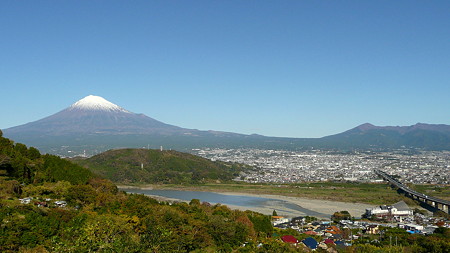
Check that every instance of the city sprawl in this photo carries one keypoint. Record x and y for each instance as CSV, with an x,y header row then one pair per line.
x,y
276,166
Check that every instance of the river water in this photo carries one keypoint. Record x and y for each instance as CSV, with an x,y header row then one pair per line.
x,y
281,206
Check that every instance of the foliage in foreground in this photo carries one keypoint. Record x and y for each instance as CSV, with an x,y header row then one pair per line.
x,y
98,218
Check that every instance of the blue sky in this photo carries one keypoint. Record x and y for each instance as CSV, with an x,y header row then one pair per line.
x,y
277,68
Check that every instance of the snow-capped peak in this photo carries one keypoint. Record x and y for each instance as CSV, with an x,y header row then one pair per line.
x,y
96,103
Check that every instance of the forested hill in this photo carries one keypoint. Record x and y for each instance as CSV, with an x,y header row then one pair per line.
x,y
48,204
27,165
155,166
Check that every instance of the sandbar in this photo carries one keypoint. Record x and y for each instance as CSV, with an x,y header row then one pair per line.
x,y
323,208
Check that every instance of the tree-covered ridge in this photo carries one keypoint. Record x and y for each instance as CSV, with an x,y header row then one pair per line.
x,y
155,166
48,204
27,165
99,219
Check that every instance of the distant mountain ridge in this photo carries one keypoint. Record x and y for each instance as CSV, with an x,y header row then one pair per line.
x,y
96,125
405,129
420,135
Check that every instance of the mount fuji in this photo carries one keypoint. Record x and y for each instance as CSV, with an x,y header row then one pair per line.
x,y
94,124
95,115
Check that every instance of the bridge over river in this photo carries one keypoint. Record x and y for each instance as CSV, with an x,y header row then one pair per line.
x,y
432,201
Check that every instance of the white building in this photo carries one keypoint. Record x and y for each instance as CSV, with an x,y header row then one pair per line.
x,y
399,209
411,227
26,200
276,220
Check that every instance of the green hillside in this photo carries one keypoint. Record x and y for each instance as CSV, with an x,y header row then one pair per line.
x,y
27,165
155,166
48,204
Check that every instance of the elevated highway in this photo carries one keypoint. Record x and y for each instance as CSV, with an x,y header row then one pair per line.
x,y
437,203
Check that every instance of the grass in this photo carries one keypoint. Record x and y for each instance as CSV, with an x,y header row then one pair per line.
x,y
438,191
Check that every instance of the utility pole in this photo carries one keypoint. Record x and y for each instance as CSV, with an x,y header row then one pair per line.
x,y
390,243
351,236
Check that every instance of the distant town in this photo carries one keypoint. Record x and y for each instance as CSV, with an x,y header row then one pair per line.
x,y
277,166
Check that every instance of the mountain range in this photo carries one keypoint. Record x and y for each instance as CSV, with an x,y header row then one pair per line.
x,y
96,125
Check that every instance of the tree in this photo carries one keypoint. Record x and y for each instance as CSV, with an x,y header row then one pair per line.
x,y
445,232
342,215
81,194
274,213
261,223
33,153
309,219
194,202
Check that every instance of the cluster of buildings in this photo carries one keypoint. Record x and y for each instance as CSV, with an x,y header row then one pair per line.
x,y
43,203
331,235
395,212
280,166
425,167
346,231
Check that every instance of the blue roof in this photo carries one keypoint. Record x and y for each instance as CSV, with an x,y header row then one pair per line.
x,y
310,243
339,242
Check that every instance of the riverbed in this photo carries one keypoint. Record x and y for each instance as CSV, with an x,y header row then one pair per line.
x,y
284,206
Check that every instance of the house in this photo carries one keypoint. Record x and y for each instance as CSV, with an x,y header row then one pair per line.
x,y
336,236
333,230
329,241
26,200
61,203
399,209
289,239
298,220
311,227
326,223
322,245
41,204
429,229
310,232
282,225
345,222
310,243
278,220
402,209
340,243
372,229
411,228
